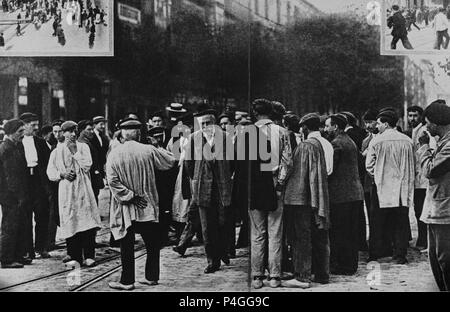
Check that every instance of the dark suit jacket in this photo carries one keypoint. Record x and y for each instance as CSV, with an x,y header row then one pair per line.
x,y
43,153
13,173
344,183
398,24
101,151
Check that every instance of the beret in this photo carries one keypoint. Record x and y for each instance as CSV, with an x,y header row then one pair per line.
x,y
311,116
388,114
371,114
438,113
11,126
28,117
340,120
351,118
68,126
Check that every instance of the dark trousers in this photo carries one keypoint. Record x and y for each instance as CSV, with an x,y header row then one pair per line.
x,y
419,198
439,254
13,232
151,234
215,221
82,245
53,218
344,237
389,231
39,205
310,245
192,226
244,237
362,228
440,39
404,40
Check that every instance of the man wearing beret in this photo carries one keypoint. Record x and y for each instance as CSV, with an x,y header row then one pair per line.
x,y
346,198
69,165
436,210
37,155
390,160
130,171
13,196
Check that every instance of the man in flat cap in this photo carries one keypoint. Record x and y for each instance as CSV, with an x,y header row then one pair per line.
x,y
69,165
390,160
37,156
346,198
130,171
14,196
436,210
307,215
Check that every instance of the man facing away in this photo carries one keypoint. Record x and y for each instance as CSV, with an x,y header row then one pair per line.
x,y
399,32
130,171
307,208
441,25
436,210
390,160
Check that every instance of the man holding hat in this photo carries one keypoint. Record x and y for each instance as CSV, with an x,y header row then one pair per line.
x,y
436,210
14,196
390,160
69,164
130,171
37,156
346,198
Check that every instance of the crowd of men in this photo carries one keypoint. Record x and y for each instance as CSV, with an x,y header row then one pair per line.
x,y
296,187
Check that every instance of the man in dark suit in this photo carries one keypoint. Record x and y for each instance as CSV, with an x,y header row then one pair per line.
x,y
13,197
399,32
37,155
346,196
100,143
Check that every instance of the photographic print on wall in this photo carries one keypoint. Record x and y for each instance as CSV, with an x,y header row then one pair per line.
x,y
415,27
56,27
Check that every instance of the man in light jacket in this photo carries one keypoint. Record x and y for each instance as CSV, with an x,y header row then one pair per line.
x,y
390,160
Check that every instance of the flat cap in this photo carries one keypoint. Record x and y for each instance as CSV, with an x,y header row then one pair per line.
x,y
11,126
278,109
156,131
130,123
371,114
351,118
310,116
69,126
28,117
388,114
340,120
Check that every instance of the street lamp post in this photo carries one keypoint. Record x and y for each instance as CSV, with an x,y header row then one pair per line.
x,y
106,92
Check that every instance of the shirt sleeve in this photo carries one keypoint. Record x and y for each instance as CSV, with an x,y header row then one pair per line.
x,y
371,159
83,157
52,171
434,165
285,159
164,160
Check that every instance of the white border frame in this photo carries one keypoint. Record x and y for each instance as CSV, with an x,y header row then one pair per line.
x,y
110,52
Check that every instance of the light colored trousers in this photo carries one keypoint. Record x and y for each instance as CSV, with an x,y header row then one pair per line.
x,y
266,231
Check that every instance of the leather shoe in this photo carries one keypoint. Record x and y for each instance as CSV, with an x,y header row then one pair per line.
x,y
25,261
399,260
226,260
211,269
12,265
180,250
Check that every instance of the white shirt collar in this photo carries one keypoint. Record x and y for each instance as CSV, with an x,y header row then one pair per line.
x,y
314,134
